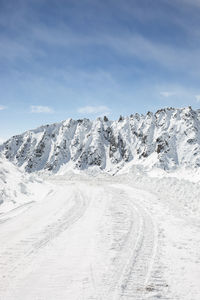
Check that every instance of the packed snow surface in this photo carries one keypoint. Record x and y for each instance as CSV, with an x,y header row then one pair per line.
x,y
168,139
130,236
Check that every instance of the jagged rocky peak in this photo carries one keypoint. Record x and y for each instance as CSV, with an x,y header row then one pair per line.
x,y
167,139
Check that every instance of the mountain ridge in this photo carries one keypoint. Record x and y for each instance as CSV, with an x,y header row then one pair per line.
x,y
168,139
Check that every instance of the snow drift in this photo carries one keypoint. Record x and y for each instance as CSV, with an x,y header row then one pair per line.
x,y
18,188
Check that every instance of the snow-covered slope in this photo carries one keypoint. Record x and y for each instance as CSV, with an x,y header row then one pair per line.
x,y
167,139
17,189
12,182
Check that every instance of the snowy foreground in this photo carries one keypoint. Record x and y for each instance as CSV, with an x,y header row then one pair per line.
x,y
130,236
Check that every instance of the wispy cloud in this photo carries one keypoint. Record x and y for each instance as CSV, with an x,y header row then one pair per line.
x,y
197,97
169,56
195,3
12,50
88,110
41,109
2,107
167,94
134,44
176,94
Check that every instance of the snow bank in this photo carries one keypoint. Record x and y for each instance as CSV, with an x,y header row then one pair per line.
x,y
16,187
170,187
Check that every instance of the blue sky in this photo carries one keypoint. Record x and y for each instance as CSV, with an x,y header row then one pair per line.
x,y
86,58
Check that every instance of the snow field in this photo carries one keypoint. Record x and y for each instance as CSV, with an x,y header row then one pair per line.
x,y
102,237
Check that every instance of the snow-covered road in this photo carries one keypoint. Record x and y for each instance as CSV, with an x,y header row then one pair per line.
x,y
98,239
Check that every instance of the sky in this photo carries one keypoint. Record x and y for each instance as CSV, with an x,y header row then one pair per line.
x,y
63,59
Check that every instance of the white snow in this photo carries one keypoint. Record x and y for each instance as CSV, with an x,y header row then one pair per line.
x,y
116,216
130,236
18,189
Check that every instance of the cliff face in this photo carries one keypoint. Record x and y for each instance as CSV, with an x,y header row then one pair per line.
x,y
167,139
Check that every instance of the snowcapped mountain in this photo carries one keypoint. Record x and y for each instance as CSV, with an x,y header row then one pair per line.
x,y
167,139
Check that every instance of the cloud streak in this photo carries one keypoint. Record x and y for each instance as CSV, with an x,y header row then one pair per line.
x,y
167,94
2,107
94,110
134,44
38,109
197,97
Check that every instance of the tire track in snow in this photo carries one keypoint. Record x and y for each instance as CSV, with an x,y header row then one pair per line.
x,y
15,211
133,240
138,264
20,254
68,219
